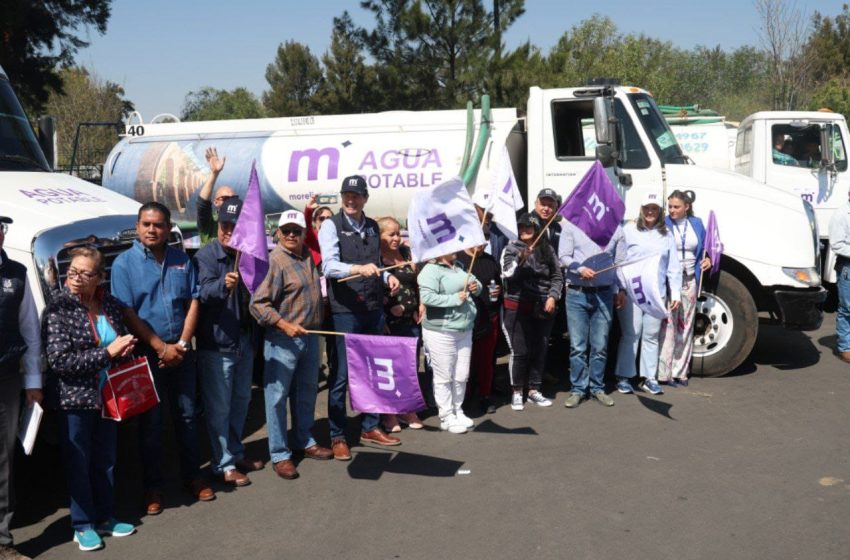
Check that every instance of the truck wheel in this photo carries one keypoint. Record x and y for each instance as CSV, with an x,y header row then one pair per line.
x,y
725,328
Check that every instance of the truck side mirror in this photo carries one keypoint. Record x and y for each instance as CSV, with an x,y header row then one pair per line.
x,y
601,116
606,154
47,139
827,154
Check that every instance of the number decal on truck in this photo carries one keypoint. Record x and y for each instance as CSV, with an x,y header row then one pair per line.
x,y
136,130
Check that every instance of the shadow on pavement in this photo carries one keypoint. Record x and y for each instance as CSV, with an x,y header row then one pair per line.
x,y
490,427
781,348
661,407
368,465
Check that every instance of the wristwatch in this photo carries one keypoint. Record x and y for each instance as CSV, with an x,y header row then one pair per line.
x,y
183,344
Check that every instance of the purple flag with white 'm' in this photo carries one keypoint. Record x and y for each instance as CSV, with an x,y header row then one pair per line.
x,y
595,206
249,236
713,246
382,374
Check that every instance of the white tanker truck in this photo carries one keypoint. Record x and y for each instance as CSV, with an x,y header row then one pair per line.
x,y
770,236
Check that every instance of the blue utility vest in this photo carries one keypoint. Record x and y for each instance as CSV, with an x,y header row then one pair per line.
x,y
360,294
13,277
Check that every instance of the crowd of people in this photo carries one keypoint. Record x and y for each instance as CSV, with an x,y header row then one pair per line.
x,y
200,326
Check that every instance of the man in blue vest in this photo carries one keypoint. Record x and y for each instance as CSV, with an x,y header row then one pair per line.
x,y
21,341
350,244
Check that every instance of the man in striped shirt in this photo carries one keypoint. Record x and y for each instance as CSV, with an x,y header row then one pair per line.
x,y
288,303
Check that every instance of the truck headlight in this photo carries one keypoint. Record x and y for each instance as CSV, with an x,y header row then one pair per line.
x,y
807,276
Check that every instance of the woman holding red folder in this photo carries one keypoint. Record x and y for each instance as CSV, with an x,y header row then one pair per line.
x,y
83,336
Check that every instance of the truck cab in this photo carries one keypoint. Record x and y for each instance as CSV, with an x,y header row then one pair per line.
x,y
764,268
804,153
52,212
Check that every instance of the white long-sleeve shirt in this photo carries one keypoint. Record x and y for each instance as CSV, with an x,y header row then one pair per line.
x,y
650,242
839,231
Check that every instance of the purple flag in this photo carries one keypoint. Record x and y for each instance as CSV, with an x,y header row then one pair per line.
x,y
713,246
595,206
249,236
382,374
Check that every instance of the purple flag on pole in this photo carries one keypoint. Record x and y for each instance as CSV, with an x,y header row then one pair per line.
x,y
382,374
595,206
249,236
713,246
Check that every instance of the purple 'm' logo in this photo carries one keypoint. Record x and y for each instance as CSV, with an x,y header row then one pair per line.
x,y
640,297
313,158
439,223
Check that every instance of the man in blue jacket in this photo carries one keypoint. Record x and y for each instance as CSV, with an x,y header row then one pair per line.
x,y
226,338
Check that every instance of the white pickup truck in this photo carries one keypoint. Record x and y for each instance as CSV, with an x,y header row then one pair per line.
x,y
766,267
52,212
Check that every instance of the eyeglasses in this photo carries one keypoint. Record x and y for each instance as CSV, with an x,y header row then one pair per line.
x,y
322,218
82,275
294,232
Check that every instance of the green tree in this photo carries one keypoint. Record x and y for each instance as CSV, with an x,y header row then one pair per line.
x,y
210,104
349,83
829,46
586,51
86,98
834,95
294,78
37,37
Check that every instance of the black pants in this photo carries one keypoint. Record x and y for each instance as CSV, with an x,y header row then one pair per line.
x,y
11,384
528,337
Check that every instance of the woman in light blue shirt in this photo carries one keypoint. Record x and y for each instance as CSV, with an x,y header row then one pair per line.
x,y
646,237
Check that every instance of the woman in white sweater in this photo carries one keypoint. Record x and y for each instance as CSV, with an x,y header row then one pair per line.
x,y
645,237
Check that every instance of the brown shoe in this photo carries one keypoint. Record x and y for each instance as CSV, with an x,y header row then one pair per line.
x,y
316,451
379,437
236,478
249,465
201,490
286,469
340,450
8,552
153,503
844,356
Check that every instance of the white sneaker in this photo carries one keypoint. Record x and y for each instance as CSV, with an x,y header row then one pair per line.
x,y
538,399
464,420
450,424
516,401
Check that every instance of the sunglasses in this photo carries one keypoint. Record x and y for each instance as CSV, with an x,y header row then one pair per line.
x,y
294,232
322,218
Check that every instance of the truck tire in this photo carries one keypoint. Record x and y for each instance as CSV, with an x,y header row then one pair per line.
x,y
725,328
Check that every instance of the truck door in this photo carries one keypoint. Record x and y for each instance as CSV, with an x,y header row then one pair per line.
x,y
569,144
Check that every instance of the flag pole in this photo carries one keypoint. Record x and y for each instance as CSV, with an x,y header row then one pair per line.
x,y
474,252
701,274
236,262
353,276
613,266
331,333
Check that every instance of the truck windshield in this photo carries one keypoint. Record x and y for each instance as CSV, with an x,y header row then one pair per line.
x,y
662,138
19,150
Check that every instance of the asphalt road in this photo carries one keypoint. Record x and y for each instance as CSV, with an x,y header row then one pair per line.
x,y
752,465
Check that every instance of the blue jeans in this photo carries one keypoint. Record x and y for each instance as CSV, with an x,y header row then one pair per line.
x,y
88,450
177,386
638,328
370,322
842,317
225,379
291,372
589,320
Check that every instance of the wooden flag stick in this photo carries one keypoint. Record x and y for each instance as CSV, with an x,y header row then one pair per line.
x,y
613,266
353,276
543,231
702,273
331,333
474,253
236,263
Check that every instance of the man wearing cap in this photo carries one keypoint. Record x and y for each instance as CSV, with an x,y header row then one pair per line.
x,y
350,245
20,343
158,286
225,338
591,298
204,211
545,206
288,303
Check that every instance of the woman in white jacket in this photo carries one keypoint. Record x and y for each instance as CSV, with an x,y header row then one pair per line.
x,y
646,237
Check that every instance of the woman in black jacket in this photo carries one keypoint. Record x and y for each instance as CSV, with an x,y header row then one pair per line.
x,y
83,335
533,285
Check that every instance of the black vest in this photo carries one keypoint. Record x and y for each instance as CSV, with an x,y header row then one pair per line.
x,y
360,294
13,277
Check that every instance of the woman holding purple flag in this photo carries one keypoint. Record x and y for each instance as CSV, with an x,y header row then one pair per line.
x,y
401,308
447,334
677,341
646,237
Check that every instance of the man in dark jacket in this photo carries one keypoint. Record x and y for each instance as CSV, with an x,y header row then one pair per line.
x,y
226,338
20,342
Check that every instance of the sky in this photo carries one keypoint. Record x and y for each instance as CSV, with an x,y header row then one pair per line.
x,y
159,50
